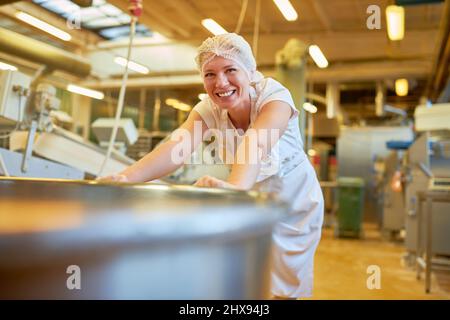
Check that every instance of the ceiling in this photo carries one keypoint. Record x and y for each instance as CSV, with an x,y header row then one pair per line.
x,y
338,27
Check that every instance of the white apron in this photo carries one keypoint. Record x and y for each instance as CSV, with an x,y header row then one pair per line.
x,y
296,238
288,172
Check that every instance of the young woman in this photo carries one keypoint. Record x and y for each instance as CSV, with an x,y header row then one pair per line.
x,y
258,120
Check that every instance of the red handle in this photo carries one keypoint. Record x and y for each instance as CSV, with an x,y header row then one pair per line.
x,y
135,8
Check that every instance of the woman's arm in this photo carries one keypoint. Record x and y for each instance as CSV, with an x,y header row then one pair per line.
x,y
165,158
275,116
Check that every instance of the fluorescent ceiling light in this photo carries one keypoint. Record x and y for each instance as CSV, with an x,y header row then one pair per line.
x,y
401,87
178,105
310,107
86,92
5,66
286,9
132,65
395,17
318,57
44,26
213,27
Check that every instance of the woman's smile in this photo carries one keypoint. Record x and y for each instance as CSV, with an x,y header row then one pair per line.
x,y
225,94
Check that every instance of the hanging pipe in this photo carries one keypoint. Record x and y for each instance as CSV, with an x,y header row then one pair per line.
x,y
135,9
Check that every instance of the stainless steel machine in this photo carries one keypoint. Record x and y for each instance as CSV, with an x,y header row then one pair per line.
x,y
358,148
427,197
393,199
142,241
37,147
428,159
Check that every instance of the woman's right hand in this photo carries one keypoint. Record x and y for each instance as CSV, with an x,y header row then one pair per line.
x,y
113,178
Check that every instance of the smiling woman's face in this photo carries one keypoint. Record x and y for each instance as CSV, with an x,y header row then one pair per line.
x,y
225,82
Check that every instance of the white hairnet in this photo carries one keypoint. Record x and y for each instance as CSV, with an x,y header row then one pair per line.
x,y
230,46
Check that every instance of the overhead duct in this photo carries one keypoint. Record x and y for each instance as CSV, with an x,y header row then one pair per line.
x,y
36,51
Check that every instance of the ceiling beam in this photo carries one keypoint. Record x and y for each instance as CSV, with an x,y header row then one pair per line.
x,y
321,14
349,72
158,12
186,10
369,36
440,68
353,72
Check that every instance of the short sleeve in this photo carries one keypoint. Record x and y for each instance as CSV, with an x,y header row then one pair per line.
x,y
272,90
206,111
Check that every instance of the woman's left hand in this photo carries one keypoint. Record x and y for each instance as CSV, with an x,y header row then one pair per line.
x,y
208,181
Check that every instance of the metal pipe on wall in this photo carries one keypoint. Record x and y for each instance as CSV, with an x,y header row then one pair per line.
x,y
81,3
54,58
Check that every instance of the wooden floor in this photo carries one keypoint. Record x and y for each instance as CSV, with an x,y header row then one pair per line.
x,y
341,270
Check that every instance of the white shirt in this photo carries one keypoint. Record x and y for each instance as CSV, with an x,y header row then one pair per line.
x,y
286,153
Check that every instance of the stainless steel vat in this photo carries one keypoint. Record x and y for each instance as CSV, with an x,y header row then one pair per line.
x,y
133,241
422,152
